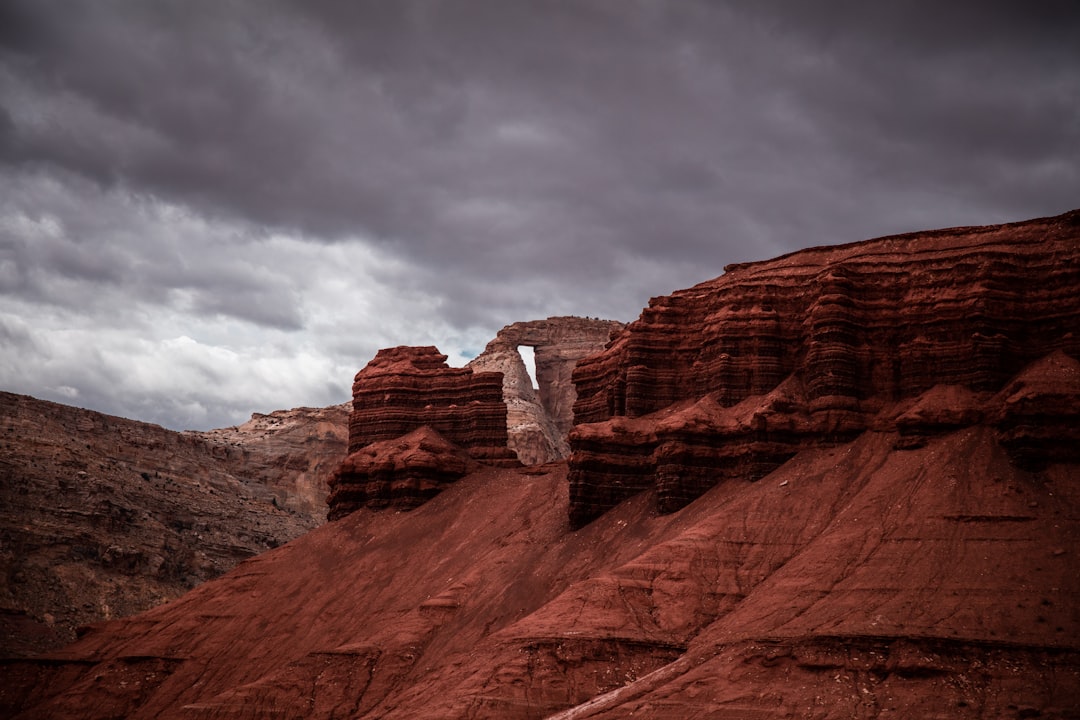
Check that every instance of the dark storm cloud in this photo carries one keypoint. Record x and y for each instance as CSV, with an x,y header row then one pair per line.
x,y
97,252
486,161
386,117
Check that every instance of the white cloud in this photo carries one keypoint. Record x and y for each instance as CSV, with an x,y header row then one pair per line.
x,y
153,312
67,391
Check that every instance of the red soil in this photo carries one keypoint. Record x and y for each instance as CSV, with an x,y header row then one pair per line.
x,y
859,579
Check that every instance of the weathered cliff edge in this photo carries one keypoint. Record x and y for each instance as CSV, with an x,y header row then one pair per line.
x,y
539,418
102,517
923,567
733,377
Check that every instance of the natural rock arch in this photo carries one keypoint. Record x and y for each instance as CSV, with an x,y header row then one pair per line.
x,y
538,419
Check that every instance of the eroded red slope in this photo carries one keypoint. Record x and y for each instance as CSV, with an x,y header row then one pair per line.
x,y
859,578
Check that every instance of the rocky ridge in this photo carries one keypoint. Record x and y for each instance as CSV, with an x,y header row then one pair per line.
x,y
102,517
418,424
921,566
731,378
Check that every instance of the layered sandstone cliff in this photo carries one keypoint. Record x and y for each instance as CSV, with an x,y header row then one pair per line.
x,y
729,379
67,568
403,390
539,418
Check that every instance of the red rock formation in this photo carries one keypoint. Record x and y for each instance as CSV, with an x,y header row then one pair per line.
x,y
402,473
733,376
923,566
559,343
1039,414
538,419
401,390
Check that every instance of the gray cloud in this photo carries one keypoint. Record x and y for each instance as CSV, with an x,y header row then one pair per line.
x,y
307,181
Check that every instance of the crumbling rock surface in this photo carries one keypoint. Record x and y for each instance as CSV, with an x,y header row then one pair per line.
x,y
539,418
730,378
102,517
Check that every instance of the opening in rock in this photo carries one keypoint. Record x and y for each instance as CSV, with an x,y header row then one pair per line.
x,y
529,356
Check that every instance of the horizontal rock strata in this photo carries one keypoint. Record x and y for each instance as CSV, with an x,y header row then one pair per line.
x,y
735,375
402,473
403,388
400,391
1039,413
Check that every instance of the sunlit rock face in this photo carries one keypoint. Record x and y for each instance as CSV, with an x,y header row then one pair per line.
x,y
730,378
293,451
539,418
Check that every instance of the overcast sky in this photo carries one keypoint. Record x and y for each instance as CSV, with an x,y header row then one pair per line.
x,y
210,208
